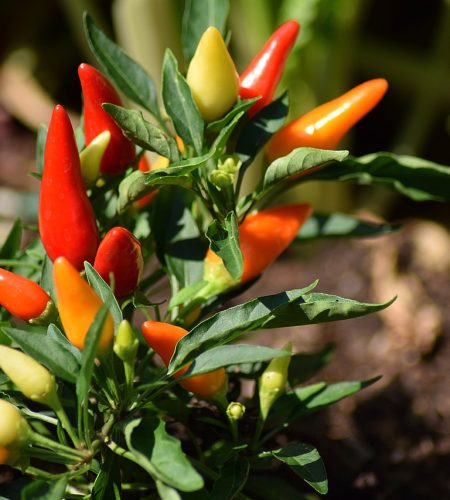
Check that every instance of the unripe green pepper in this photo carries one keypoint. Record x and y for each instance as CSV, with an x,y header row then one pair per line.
x,y
31,378
91,157
126,343
212,76
272,382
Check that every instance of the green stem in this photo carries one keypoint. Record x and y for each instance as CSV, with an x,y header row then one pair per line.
x,y
65,422
18,263
257,435
40,416
46,442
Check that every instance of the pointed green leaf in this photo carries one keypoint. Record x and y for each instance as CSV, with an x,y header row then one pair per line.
x,y
224,241
142,132
12,243
414,177
40,146
104,292
242,105
234,354
227,325
297,163
316,308
160,454
48,350
306,462
180,105
129,76
339,225
132,188
197,17
42,490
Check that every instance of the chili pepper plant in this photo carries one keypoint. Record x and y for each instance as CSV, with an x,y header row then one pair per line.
x,y
121,360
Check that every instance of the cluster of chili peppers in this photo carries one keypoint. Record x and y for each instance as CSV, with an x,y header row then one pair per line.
x,y
68,226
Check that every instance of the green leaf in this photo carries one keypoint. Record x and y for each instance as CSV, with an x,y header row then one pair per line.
x,y
107,484
221,140
12,243
297,163
160,454
327,394
197,17
40,146
89,354
224,241
166,492
416,178
241,106
104,292
260,129
180,105
42,490
186,294
126,73
304,365
46,281
316,308
234,354
48,350
306,462
233,477
227,325
339,225
178,244
142,132
56,335
132,188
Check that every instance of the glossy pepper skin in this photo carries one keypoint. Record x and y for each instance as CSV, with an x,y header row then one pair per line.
x,y
212,76
263,237
97,90
14,428
120,254
4,455
263,74
324,126
78,305
67,222
22,297
162,338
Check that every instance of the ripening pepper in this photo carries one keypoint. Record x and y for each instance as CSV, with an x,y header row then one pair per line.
x,y
67,222
263,74
22,297
212,76
324,126
4,455
119,261
91,157
97,90
162,338
31,378
14,428
263,236
126,342
78,305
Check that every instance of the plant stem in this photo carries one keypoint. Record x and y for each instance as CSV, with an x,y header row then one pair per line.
x,y
65,422
257,435
45,442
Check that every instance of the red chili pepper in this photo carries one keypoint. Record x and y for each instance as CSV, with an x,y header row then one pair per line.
x,y
22,297
67,222
97,90
144,166
163,338
324,126
263,237
264,72
120,255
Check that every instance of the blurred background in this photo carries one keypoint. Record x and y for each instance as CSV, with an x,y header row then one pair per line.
x,y
393,441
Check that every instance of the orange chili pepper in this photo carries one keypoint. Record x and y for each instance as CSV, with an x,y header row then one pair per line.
x,y
324,126
22,297
78,305
263,237
162,338
4,454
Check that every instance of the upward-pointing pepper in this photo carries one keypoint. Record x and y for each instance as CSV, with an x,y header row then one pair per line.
x,y
97,90
262,75
212,76
67,222
324,127
263,237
